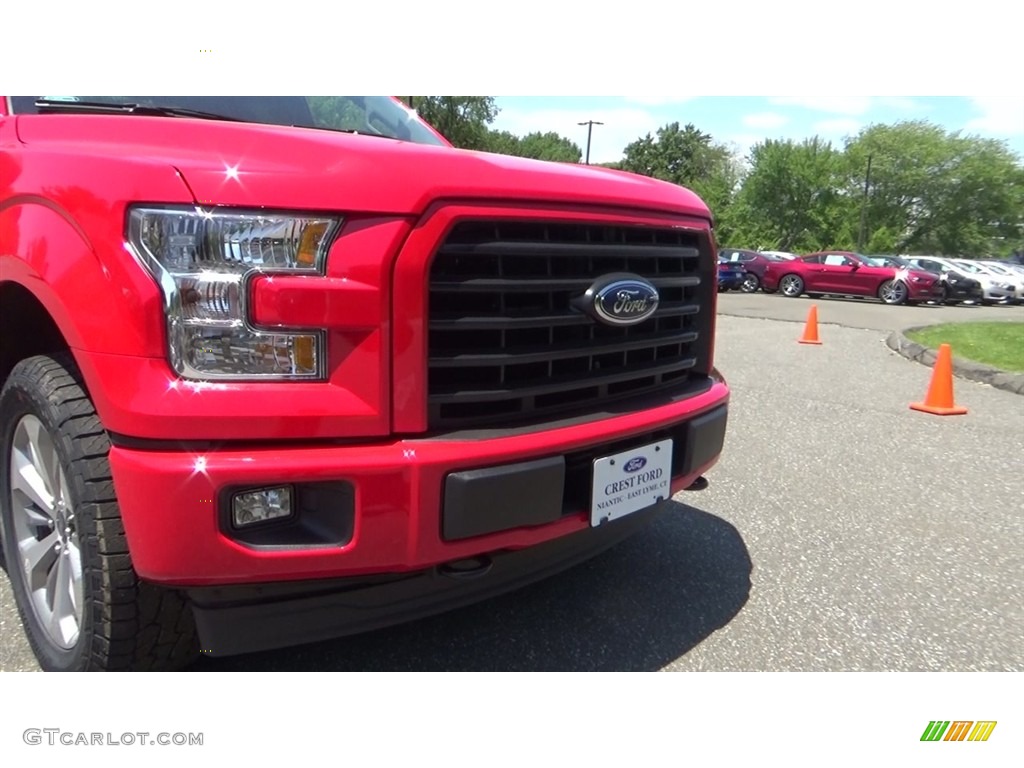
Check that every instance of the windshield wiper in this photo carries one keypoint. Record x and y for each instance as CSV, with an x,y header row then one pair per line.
x,y
115,108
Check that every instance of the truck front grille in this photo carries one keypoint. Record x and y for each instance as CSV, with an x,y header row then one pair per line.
x,y
507,346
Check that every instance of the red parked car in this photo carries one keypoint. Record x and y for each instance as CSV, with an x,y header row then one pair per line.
x,y
844,273
754,264
278,369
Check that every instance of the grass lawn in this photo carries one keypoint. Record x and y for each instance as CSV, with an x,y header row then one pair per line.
x,y
1000,345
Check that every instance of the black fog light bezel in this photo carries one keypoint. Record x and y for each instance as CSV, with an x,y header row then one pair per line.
x,y
323,516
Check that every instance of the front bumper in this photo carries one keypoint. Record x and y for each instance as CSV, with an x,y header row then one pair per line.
x,y
177,535
730,283
918,292
997,294
234,620
958,292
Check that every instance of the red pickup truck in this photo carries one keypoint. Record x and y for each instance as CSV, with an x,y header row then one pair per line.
x,y
277,370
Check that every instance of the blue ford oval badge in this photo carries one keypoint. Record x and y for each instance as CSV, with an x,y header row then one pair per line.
x,y
635,464
621,299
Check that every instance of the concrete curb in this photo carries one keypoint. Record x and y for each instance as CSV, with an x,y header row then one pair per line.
x,y
965,369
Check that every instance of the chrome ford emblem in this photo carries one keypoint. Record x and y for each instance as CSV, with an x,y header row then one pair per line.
x,y
621,300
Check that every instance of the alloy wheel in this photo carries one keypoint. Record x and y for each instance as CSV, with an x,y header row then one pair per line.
x,y
46,533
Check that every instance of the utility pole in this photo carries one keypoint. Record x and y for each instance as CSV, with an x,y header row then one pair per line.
x,y
590,127
864,207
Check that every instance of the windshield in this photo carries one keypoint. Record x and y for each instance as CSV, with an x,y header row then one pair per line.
x,y
891,261
970,267
370,115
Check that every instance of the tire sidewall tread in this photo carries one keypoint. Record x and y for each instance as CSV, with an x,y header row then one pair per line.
x,y
119,606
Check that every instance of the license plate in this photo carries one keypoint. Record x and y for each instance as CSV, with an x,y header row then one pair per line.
x,y
629,481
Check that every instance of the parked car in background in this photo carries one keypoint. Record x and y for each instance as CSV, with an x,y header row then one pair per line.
x,y
754,262
996,288
1014,277
1017,269
730,275
956,285
845,273
781,255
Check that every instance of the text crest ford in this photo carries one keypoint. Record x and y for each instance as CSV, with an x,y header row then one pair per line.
x,y
626,301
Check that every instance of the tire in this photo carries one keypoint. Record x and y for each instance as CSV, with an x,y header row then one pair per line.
x,y
81,603
751,283
893,292
791,285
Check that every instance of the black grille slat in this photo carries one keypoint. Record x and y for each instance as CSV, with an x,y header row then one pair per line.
x,y
507,344
556,385
563,351
581,284
502,248
443,321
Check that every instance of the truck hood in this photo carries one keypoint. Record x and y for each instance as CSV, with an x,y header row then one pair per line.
x,y
248,164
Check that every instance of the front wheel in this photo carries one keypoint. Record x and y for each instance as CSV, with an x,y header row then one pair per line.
x,y
751,283
81,603
893,292
791,286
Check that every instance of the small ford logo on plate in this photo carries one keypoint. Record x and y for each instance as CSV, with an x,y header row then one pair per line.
x,y
635,465
620,299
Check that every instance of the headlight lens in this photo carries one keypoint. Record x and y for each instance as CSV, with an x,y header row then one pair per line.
x,y
203,261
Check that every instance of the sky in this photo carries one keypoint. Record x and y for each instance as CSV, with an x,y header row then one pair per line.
x,y
741,121
846,70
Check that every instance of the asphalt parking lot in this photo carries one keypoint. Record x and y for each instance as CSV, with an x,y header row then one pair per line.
x,y
841,531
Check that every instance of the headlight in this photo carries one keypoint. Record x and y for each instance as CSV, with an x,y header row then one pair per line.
x,y
917,279
203,261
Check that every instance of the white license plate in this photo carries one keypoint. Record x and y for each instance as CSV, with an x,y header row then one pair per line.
x,y
630,481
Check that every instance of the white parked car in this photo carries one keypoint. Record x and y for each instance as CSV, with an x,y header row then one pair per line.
x,y
1008,271
996,287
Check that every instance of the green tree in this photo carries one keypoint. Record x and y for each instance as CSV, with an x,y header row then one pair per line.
x,y
690,158
938,192
502,143
550,146
794,197
680,155
539,146
463,120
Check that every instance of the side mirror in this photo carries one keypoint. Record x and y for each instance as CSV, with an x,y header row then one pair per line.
x,y
855,266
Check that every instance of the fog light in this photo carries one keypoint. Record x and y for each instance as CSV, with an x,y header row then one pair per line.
x,y
261,505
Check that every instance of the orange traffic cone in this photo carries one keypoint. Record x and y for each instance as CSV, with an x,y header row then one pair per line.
x,y
939,399
811,327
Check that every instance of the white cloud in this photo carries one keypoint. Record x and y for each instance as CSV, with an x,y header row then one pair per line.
x,y
658,101
621,127
836,128
837,105
766,120
1000,115
900,103
742,143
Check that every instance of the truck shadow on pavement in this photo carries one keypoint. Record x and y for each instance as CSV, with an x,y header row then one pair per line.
x,y
637,607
